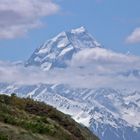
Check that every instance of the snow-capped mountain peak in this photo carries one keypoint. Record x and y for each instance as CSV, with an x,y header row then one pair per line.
x,y
78,30
60,49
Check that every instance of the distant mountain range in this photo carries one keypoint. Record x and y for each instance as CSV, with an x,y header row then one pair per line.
x,y
111,113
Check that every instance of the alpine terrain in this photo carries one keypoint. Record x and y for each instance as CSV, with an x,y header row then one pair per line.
x,y
111,113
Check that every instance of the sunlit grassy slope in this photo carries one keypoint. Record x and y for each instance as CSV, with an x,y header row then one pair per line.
x,y
26,119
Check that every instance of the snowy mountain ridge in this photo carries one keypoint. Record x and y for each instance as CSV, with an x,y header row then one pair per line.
x,y
107,112
56,51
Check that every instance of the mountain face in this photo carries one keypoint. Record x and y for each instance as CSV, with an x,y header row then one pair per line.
x,y
110,113
57,51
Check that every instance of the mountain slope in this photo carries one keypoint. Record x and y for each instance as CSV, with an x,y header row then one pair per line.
x,y
28,119
108,112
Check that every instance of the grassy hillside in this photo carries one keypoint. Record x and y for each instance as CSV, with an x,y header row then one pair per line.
x,y
25,119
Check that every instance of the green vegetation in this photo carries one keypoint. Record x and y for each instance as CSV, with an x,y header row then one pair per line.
x,y
22,119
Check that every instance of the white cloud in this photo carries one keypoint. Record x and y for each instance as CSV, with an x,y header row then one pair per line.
x,y
90,68
134,37
19,16
104,58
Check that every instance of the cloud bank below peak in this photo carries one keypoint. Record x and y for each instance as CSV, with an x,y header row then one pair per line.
x,y
89,68
17,17
103,56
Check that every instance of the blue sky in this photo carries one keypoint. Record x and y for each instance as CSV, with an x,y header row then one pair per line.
x,y
115,24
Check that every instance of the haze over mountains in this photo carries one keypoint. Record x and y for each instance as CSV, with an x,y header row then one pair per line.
x,y
74,73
